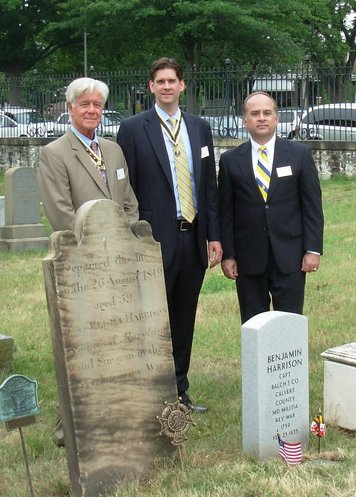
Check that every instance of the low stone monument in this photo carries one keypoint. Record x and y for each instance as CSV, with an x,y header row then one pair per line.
x,y
275,385
112,347
23,229
340,385
6,352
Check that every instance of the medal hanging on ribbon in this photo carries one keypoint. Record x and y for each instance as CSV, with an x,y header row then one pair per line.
x,y
173,134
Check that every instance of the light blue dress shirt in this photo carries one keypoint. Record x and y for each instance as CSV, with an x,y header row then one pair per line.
x,y
84,138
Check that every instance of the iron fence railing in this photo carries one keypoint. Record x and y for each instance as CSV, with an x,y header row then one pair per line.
x,y
315,102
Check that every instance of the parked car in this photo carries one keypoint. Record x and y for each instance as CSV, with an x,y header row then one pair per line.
x,y
288,123
227,126
329,122
32,119
11,129
109,126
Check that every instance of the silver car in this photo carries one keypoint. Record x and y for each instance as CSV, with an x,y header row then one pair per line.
x,y
36,125
109,126
227,126
11,129
288,123
329,122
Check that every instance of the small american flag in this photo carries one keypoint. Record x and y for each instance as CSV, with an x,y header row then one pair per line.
x,y
290,452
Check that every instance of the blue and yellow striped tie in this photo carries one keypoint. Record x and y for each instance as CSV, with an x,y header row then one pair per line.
x,y
263,172
184,183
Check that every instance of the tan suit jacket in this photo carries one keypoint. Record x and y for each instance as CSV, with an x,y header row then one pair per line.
x,y
67,178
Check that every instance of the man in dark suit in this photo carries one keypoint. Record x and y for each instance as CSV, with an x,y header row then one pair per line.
x,y
79,166
155,144
271,214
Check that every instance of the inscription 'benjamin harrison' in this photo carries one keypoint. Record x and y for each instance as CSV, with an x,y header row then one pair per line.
x,y
284,360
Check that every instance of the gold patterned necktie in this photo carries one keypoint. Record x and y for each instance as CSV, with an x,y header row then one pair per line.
x,y
263,172
184,183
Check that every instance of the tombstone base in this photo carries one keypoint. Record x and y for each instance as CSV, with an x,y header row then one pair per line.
x,y
22,244
6,351
20,237
12,231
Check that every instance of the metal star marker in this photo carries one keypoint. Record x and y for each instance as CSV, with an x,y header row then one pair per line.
x,y
175,421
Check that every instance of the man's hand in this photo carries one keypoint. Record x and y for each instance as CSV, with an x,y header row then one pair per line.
x,y
310,263
229,267
214,253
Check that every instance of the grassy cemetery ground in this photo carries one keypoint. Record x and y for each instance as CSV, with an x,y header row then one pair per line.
x,y
212,462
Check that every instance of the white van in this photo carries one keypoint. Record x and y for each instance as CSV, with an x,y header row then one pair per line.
x,y
329,122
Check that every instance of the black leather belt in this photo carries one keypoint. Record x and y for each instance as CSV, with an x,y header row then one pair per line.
x,y
184,225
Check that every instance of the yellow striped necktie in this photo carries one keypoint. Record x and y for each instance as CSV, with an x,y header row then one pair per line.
x,y
184,183
263,172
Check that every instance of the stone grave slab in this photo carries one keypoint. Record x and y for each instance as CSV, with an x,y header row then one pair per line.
x,y
6,351
340,385
22,229
112,347
275,382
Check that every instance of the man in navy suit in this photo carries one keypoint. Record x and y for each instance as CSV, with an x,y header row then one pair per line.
x,y
150,144
271,214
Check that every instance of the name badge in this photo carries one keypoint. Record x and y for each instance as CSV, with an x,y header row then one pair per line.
x,y
284,171
204,152
120,173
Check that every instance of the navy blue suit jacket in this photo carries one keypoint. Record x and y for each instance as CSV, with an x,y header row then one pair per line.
x,y
142,142
291,220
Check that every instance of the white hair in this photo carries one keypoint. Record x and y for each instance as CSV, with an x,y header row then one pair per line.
x,y
77,87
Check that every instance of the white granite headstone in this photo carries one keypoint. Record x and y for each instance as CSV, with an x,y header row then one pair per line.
x,y
275,385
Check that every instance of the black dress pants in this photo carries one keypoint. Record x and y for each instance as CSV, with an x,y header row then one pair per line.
x,y
184,278
255,292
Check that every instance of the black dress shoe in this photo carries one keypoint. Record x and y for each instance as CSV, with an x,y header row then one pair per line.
x,y
188,403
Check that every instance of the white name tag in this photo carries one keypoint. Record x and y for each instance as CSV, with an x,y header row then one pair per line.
x,y
120,173
284,171
204,152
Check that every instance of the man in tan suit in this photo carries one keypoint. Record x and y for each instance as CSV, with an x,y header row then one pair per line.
x,y
79,166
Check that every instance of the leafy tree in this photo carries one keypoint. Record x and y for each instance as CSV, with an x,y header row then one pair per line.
x,y
24,36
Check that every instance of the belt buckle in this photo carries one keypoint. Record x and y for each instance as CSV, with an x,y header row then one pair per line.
x,y
184,223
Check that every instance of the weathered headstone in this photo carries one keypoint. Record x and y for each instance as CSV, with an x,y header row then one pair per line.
x,y
22,229
112,346
2,210
6,351
275,385
2,220
339,386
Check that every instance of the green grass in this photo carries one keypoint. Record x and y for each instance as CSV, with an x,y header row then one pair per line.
x,y
213,464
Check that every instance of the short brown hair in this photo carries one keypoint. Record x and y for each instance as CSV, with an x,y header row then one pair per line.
x,y
165,63
259,93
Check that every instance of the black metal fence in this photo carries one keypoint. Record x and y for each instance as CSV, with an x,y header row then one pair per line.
x,y
311,99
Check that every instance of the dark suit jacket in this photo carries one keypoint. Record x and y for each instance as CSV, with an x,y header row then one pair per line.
x,y
291,219
67,178
142,141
